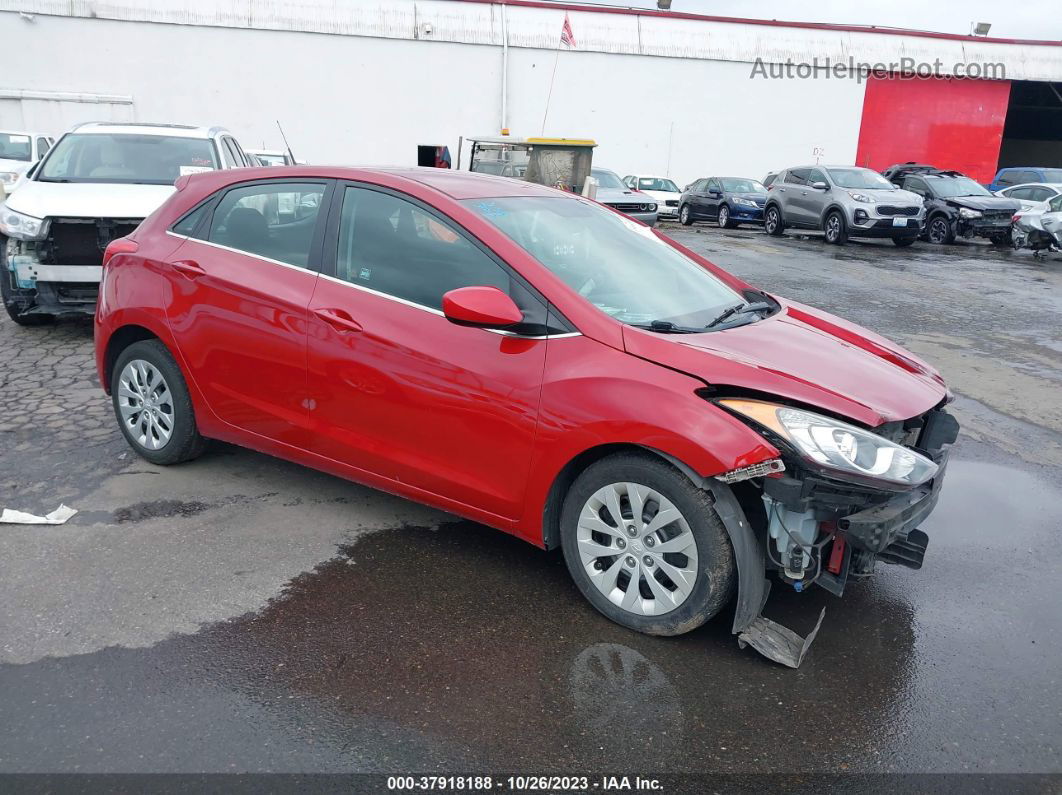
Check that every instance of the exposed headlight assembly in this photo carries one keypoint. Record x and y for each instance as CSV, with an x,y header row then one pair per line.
x,y
21,227
862,197
841,450
966,212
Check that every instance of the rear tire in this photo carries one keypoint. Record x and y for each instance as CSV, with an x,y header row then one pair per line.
x,y
773,224
152,404
835,228
685,216
688,556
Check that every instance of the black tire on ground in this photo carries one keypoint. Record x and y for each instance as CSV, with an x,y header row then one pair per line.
x,y
1001,239
716,577
940,230
723,219
773,223
835,228
685,216
903,242
7,298
184,443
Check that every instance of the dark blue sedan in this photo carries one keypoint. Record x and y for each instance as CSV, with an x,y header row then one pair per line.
x,y
728,201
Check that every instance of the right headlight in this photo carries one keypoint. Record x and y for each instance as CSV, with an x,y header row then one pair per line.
x,y
965,212
843,450
9,178
19,226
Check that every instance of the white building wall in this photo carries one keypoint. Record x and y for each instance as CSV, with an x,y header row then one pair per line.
x,y
372,100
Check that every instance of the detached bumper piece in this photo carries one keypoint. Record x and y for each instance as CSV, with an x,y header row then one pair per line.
x,y
777,643
909,552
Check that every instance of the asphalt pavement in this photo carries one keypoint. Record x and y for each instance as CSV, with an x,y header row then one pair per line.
x,y
239,613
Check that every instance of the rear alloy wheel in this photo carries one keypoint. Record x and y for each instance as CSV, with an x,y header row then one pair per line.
x,y
940,231
152,404
684,215
772,221
645,546
834,227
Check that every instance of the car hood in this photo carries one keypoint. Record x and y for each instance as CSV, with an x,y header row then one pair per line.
x,y
804,355
87,199
18,166
659,195
985,202
617,195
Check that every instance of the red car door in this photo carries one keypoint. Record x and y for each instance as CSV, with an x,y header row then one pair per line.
x,y
396,388
239,288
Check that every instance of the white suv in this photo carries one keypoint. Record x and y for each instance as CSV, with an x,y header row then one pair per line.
x,y
18,152
96,184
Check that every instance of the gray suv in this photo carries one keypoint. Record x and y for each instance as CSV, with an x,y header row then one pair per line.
x,y
844,202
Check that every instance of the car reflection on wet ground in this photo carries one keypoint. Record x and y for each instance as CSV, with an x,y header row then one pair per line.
x,y
448,646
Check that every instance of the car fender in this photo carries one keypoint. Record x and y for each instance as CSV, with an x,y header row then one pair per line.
x,y
830,208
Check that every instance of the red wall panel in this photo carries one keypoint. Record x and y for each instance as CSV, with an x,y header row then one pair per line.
x,y
949,123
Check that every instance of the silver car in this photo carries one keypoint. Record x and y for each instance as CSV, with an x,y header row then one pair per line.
x,y
612,191
843,202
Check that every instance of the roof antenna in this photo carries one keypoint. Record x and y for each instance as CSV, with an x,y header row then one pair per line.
x,y
286,146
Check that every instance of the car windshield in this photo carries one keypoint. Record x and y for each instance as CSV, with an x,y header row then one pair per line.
x,y
606,179
15,146
859,178
129,158
618,265
951,187
1050,174
731,185
657,183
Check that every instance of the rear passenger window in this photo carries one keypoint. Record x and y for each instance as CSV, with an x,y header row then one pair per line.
x,y
272,220
797,176
187,225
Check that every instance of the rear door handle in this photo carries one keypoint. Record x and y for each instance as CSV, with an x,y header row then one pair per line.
x,y
338,319
188,268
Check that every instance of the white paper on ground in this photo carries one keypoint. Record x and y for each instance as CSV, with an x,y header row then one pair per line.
x,y
58,516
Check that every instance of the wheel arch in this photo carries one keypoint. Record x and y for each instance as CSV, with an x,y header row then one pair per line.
x,y
829,209
738,505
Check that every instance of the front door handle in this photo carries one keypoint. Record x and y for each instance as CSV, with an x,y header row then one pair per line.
x,y
338,319
188,268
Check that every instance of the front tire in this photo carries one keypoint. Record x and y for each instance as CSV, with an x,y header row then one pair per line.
x,y
903,242
940,231
685,216
645,546
9,297
724,218
835,228
152,404
772,221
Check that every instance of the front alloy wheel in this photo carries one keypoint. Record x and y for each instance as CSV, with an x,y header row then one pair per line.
x,y
684,215
645,545
637,548
724,217
940,230
772,221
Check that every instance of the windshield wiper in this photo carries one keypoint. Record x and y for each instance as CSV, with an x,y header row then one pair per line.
x,y
667,327
740,309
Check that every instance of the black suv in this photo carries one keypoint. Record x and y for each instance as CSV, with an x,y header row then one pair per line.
x,y
956,206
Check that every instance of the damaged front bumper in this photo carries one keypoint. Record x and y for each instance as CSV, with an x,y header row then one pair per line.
x,y
817,531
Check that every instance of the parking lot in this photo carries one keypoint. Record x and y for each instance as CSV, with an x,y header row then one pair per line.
x,y
240,613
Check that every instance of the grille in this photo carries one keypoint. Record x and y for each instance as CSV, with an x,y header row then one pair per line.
x,y
888,209
81,241
997,215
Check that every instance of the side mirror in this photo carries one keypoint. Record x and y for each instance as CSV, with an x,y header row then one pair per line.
x,y
481,307
820,186
715,194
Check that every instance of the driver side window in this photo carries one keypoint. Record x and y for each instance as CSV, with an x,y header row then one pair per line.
x,y
915,185
817,176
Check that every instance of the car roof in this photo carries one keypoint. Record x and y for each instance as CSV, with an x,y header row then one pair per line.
x,y
455,184
146,128
1055,185
22,132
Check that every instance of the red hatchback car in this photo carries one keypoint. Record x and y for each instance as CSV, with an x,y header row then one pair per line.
x,y
534,361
